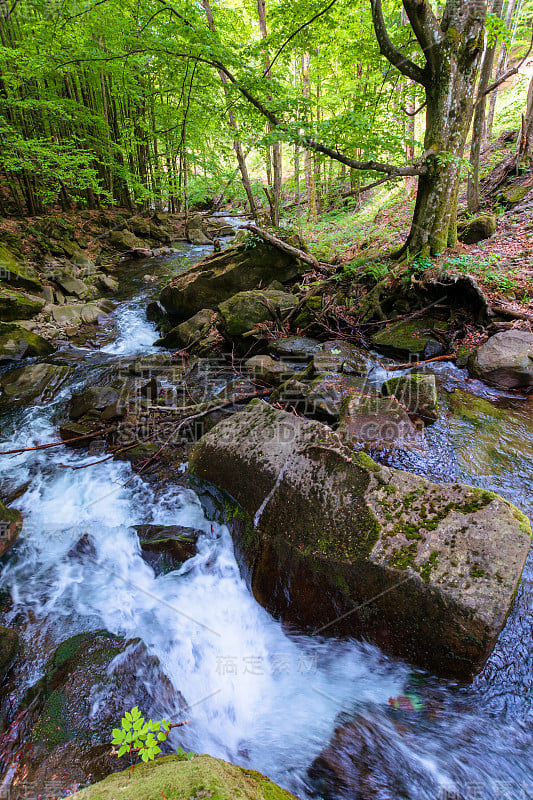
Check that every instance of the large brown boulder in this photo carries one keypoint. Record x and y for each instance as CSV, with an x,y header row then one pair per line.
x,y
335,543
223,275
506,359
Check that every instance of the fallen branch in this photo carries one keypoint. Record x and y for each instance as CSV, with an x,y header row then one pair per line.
x,y
287,248
501,308
56,444
394,367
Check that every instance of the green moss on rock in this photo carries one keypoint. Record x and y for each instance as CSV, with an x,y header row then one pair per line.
x,y
176,779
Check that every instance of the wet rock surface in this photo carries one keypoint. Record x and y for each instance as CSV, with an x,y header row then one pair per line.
x,y
506,359
435,566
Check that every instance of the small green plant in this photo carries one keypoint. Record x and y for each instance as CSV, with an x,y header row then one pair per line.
x,y
139,738
377,270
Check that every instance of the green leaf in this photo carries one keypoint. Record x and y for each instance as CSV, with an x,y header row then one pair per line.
x,y
124,749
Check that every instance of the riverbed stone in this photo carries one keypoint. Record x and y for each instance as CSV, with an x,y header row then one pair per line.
x,y
106,401
67,314
193,330
326,531
340,356
72,286
180,778
91,313
417,392
35,384
9,647
244,310
222,275
265,368
10,527
415,339
294,347
125,240
17,343
166,547
377,423
506,359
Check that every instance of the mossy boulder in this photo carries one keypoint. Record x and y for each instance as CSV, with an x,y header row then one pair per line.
x,y
125,240
416,339
433,568
17,343
37,383
506,359
473,409
10,527
244,310
512,195
166,547
475,230
177,778
417,392
16,273
266,369
220,276
90,681
189,332
340,356
18,305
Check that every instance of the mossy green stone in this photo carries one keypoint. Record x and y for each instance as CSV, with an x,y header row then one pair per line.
x,y
175,778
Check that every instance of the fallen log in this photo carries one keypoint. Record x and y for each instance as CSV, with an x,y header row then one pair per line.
x,y
287,248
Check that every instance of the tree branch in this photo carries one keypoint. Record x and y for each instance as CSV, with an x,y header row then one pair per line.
x,y
387,49
425,26
507,75
296,32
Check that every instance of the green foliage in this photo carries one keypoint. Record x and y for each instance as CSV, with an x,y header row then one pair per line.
x,y
486,268
378,270
139,737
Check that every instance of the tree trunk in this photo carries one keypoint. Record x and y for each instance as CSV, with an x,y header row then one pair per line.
x,y
237,146
525,141
478,126
276,178
500,69
449,79
308,166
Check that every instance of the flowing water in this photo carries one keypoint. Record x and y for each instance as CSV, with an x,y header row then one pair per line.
x,y
257,693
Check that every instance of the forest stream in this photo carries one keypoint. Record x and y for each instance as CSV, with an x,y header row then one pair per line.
x,y
256,692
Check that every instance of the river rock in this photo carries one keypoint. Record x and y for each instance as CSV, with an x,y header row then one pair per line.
x,y
195,230
294,347
106,283
16,273
106,402
10,527
125,240
435,567
17,343
35,384
264,368
166,547
18,305
417,392
73,286
475,230
376,423
244,310
187,779
224,274
88,684
506,359
323,396
67,314
340,356
190,331
91,313
413,339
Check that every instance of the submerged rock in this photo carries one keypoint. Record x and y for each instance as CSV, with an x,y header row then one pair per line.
x,y
435,567
237,269
506,359
181,779
17,343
